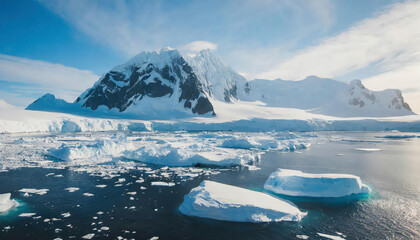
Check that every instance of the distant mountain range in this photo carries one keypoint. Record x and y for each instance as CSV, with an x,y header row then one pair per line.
x,y
163,84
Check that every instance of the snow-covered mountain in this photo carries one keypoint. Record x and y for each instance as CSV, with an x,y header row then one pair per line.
x,y
219,80
151,83
165,85
328,97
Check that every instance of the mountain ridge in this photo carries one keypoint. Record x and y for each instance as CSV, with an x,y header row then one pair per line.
x,y
164,84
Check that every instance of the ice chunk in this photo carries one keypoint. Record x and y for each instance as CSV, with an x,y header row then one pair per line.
x,y
72,189
163,184
229,203
88,236
34,191
237,142
88,194
6,203
368,149
297,183
330,236
103,148
176,155
27,214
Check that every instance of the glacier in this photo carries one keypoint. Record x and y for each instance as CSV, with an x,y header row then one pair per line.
x,y
299,184
229,203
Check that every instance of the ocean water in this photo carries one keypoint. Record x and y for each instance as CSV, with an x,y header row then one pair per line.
x,y
392,211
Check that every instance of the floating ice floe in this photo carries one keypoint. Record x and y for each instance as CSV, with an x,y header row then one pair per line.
x,y
6,203
368,149
330,236
88,236
163,184
113,148
72,189
297,183
240,142
27,191
229,203
88,194
172,155
27,214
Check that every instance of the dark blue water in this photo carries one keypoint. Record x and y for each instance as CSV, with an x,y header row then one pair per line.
x,y
391,212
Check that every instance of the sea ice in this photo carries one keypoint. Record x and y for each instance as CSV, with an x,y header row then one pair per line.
x,y
163,184
237,142
330,236
6,203
102,148
368,149
34,191
229,203
27,214
176,155
88,236
297,183
72,189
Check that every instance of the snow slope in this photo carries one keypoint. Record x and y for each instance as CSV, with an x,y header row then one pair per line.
x,y
220,81
297,183
328,97
229,203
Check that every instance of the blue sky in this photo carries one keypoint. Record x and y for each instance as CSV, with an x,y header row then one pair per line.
x,y
64,46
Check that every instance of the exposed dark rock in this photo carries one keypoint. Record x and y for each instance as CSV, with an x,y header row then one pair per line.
x,y
130,83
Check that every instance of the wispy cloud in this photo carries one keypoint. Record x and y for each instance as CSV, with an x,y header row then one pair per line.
x,y
196,46
133,26
389,40
27,77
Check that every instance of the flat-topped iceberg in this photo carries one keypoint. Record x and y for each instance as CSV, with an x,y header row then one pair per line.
x,y
297,183
229,203
6,203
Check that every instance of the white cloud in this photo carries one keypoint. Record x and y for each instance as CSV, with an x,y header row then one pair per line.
x,y
390,40
388,46
197,46
66,82
133,26
406,78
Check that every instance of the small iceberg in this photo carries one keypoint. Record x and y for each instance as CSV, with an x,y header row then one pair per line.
x,y
6,203
229,203
299,184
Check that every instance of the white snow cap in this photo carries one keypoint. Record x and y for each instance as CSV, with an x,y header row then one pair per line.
x,y
159,58
297,183
229,203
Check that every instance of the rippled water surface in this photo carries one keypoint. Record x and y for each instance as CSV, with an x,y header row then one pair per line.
x,y
391,212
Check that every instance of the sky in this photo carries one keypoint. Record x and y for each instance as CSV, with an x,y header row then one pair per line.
x,y
63,47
